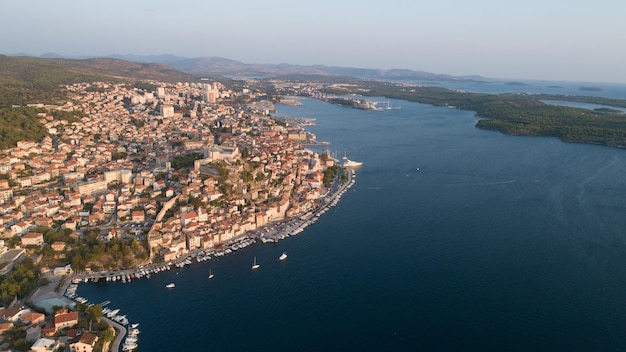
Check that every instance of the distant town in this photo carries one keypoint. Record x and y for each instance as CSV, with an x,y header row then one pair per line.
x,y
141,176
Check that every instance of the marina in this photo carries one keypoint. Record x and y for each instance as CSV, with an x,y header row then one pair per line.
x,y
272,233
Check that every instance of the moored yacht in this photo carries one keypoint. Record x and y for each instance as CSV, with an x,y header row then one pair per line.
x,y
129,346
350,163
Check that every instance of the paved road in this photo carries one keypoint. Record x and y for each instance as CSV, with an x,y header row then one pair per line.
x,y
115,345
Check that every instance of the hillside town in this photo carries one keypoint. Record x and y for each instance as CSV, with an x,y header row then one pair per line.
x,y
167,169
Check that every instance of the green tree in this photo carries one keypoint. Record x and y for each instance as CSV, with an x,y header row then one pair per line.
x,y
107,335
94,312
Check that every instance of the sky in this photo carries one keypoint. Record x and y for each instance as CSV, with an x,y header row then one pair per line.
x,y
563,40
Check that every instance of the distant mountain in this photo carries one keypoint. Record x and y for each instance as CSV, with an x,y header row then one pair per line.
x,y
218,66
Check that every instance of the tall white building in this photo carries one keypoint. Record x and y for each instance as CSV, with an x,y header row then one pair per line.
x,y
160,92
167,111
121,176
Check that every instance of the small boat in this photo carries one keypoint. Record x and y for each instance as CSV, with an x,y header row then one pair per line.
x,y
170,285
255,265
282,257
134,326
129,346
210,274
113,313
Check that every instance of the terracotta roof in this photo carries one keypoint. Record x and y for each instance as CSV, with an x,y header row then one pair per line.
x,y
88,338
64,318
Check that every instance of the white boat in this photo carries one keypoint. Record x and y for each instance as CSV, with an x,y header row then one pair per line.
x,y
129,346
210,274
349,163
282,256
113,313
170,285
134,326
255,265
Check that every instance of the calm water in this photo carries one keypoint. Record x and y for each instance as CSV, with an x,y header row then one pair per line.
x,y
495,243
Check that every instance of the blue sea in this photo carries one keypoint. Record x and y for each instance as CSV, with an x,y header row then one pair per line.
x,y
452,239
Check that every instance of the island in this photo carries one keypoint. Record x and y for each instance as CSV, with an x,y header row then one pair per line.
x,y
591,89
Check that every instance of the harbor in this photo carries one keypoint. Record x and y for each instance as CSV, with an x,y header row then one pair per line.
x,y
271,233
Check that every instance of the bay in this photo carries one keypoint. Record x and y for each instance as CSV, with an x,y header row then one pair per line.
x,y
453,238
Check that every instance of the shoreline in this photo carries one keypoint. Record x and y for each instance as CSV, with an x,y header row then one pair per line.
x,y
270,233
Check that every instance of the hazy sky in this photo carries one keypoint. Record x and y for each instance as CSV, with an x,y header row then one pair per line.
x,y
568,40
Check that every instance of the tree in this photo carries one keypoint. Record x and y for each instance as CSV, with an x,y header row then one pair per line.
x,y
107,335
78,263
20,282
94,312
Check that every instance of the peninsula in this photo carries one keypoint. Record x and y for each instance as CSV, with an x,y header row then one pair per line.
x,y
125,174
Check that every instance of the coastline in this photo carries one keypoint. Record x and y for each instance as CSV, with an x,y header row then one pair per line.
x,y
270,233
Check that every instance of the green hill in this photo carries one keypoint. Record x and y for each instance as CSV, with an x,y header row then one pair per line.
x,y
25,80
29,80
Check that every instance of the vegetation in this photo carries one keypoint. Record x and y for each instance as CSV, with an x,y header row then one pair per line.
x,y
20,282
329,175
515,114
99,255
17,124
342,101
185,161
89,250
69,116
148,87
119,155
16,337
26,80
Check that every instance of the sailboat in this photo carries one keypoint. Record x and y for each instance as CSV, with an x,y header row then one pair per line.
x,y
255,265
210,274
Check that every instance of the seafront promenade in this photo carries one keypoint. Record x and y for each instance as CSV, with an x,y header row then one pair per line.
x,y
115,345
270,233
